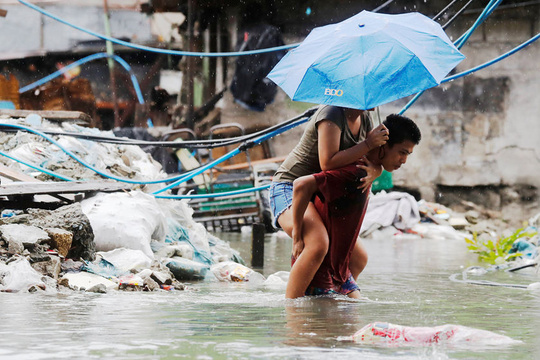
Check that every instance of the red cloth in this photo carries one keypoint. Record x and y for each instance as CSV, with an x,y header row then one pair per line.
x,y
342,208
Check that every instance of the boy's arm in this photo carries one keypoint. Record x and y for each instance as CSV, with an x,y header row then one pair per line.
x,y
303,189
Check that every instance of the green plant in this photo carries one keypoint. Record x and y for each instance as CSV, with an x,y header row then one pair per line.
x,y
496,252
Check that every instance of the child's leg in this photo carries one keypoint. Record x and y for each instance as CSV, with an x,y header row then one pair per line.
x,y
315,237
358,259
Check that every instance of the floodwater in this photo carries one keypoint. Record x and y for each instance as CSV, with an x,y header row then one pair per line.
x,y
406,282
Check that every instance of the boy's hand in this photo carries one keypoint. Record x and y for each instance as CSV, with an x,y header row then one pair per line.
x,y
377,137
372,172
298,243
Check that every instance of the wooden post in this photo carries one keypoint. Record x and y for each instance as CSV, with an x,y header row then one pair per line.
x,y
190,65
110,61
257,245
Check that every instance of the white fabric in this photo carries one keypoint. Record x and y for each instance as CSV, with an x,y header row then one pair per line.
x,y
395,208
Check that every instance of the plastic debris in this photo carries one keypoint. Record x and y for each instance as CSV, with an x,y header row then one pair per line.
x,y
84,280
387,334
125,260
19,275
185,269
231,271
277,280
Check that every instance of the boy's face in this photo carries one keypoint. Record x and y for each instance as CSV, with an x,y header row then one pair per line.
x,y
397,155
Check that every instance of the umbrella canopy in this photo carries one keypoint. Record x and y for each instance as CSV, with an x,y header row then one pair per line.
x,y
367,60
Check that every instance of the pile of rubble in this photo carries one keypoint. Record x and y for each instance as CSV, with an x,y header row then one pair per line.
x,y
126,240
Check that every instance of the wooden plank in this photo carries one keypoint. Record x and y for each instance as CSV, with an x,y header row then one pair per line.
x,y
245,165
49,115
15,175
64,187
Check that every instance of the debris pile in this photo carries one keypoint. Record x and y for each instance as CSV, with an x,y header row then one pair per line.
x,y
126,161
128,240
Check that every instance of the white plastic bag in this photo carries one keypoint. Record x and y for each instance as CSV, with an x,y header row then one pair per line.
x,y
125,220
19,275
234,272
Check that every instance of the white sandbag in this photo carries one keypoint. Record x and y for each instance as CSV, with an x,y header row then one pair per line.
x,y
125,220
19,275
126,260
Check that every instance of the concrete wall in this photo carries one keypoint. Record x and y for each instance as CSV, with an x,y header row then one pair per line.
x,y
24,30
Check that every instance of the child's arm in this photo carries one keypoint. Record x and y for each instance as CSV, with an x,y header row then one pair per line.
x,y
303,189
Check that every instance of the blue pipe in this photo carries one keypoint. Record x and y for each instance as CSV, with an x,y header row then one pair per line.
x,y
492,5
177,179
460,42
151,49
479,67
214,195
230,155
45,136
85,60
491,62
35,167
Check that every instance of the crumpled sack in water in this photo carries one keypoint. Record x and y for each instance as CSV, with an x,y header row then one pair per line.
x,y
387,334
234,272
277,280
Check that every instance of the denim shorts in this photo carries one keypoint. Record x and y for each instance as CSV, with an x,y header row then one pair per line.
x,y
280,199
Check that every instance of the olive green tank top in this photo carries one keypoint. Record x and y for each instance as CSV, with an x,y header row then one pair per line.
x,y
304,159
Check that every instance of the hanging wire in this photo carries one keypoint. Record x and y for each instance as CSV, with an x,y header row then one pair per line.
x,y
192,144
460,11
177,179
444,10
380,7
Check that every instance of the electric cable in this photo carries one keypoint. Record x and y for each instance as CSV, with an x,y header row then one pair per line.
x,y
177,179
192,144
464,280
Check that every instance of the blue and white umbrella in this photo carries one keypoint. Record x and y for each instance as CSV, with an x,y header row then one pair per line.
x,y
367,60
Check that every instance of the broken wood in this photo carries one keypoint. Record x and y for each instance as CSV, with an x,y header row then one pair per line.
x,y
62,187
53,115
15,175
